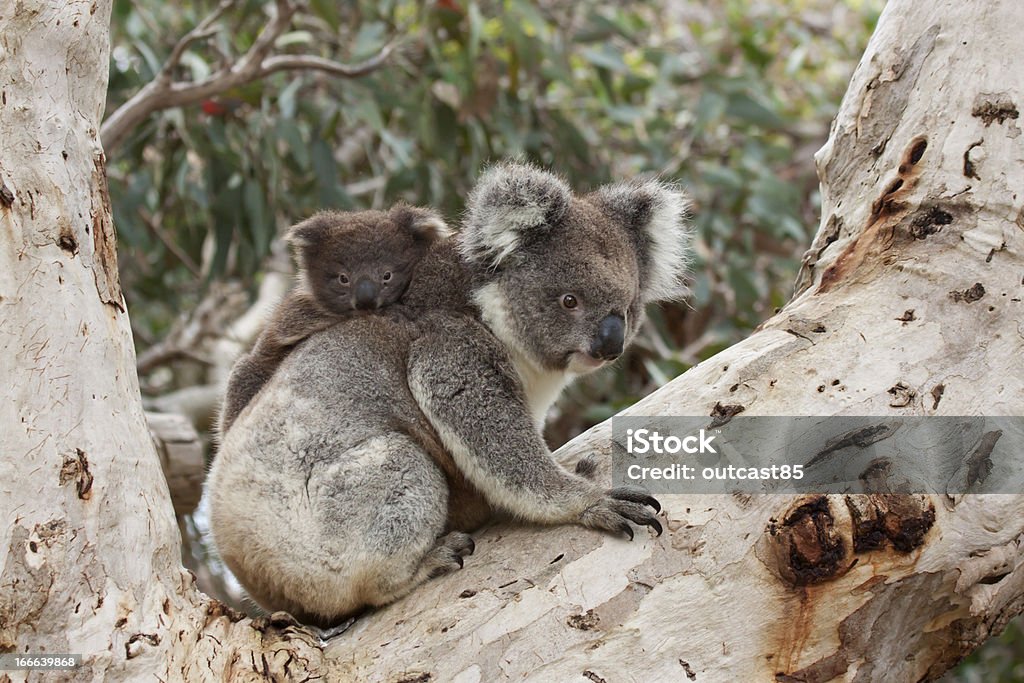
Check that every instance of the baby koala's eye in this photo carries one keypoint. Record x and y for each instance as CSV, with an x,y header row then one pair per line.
x,y
387,276
570,301
343,279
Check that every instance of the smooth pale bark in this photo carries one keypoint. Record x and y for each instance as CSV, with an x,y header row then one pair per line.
x,y
89,548
90,560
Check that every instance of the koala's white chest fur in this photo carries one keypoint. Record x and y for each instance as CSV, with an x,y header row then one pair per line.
x,y
541,386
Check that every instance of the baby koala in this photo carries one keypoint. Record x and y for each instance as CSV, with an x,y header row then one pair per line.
x,y
348,261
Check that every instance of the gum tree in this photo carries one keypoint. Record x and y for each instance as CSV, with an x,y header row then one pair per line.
x,y
908,303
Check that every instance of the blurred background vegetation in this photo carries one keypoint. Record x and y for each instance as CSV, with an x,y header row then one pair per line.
x,y
730,98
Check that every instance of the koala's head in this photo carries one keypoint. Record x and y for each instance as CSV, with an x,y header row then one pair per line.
x,y
564,279
363,260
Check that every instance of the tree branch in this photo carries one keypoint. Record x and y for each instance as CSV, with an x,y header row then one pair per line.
x,y
181,458
296,62
164,92
186,337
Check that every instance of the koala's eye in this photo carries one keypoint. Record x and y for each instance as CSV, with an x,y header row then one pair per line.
x,y
387,276
343,279
569,301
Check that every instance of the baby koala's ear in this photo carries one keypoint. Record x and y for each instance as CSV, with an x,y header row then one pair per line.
x,y
312,231
655,215
423,224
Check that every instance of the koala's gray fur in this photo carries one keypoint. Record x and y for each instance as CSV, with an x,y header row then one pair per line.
x,y
350,478
337,252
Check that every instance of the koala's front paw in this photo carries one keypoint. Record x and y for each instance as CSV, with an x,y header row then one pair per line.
x,y
619,507
447,556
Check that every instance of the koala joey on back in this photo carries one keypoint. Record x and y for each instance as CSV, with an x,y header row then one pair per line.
x,y
348,262
354,475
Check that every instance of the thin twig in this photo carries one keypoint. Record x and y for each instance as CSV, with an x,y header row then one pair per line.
x,y
153,224
203,30
163,353
294,62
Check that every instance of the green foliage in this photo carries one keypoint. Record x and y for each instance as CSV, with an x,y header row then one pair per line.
x,y
730,102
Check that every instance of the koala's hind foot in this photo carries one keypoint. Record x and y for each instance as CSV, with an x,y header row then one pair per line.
x,y
283,620
443,558
447,556
619,507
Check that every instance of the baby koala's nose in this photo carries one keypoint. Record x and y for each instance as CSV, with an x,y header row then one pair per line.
x,y
608,343
366,293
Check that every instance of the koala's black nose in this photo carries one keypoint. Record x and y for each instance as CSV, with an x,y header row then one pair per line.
x,y
366,293
611,331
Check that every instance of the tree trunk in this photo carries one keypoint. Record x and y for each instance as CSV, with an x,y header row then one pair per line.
x,y
89,559
908,304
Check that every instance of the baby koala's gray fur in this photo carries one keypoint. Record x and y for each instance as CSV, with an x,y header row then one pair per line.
x,y
353,475
337,252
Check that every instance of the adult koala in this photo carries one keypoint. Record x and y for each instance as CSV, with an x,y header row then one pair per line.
x,y
334,487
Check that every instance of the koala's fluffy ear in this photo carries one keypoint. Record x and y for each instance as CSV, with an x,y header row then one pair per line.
x,y
312,231
656,214
424,224
510,203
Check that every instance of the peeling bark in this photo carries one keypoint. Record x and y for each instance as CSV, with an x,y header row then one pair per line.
x,y
856,588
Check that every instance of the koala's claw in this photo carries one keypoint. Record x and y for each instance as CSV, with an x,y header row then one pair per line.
x,y
461,544
448,555
620,507
637,513
636,495
325,634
